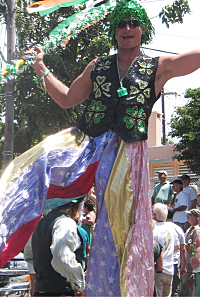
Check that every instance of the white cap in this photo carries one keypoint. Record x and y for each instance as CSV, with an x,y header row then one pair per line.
x,y
162,171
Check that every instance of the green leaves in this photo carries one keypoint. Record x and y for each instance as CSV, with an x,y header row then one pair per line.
x,y
185,124
174,13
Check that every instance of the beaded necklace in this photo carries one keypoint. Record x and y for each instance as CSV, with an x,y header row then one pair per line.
x,y
123,91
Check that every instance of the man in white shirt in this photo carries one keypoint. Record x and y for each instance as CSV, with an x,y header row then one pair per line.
x,y
166,235
180,205
190,191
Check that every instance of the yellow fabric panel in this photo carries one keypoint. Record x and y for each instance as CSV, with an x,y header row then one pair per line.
x,y
119,203
71,138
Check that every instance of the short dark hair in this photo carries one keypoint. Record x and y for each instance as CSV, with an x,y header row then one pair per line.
x,y
70,208
89,204
185,177
178,182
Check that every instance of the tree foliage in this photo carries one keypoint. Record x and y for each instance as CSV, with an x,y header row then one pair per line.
x,y
185,125
174,13
36,114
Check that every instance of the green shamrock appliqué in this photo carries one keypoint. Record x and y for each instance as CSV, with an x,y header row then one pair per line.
x,y
99,86
137,119
95,111
146,67
103,65
142,84
133,90
146,92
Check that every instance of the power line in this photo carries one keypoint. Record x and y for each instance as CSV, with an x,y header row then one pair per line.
x,y
152,1
153,49
180,36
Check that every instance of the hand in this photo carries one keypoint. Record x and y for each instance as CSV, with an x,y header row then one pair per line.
x,y
78,293
85,273
91,194
183,271
39,54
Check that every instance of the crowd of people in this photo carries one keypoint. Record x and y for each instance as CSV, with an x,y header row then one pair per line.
x,y
177,230
60,245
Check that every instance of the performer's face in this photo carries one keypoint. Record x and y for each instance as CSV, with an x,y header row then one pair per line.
x,y
128,33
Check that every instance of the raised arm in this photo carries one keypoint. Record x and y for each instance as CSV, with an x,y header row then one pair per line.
x,y
173,66
64,96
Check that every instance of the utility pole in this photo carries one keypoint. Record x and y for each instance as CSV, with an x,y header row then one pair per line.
x,y
9,121
163,112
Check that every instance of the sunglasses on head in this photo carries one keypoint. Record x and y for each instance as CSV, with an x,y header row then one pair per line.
x,y
132,23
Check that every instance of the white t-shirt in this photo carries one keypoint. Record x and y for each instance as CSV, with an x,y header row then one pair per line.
x,y
191,193
165,234
181,239
180,216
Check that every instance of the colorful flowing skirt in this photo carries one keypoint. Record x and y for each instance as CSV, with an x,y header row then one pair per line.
x,y
65,166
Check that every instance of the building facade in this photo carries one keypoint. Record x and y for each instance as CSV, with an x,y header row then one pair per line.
x,y
161,157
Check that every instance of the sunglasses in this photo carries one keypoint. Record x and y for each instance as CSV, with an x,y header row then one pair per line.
x,y
132,23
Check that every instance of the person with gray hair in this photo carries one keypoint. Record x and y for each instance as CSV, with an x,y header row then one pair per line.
x,y
160,210
166,235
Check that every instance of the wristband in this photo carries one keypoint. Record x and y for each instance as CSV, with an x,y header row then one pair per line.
x,y
40,80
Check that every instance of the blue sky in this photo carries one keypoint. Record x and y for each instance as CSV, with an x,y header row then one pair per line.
x,y
179,38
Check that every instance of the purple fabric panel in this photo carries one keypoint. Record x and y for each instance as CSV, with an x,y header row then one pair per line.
x,y
103,274
140,263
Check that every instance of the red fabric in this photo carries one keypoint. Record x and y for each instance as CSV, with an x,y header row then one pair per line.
x,y
79,187
17,241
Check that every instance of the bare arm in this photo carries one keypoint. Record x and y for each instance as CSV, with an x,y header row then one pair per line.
x,y
173,199
183,269
180,208
173,66
195,260
194,203
64,96
91,194
176,248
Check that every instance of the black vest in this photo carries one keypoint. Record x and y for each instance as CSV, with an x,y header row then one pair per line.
x,y
128,115
47,279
